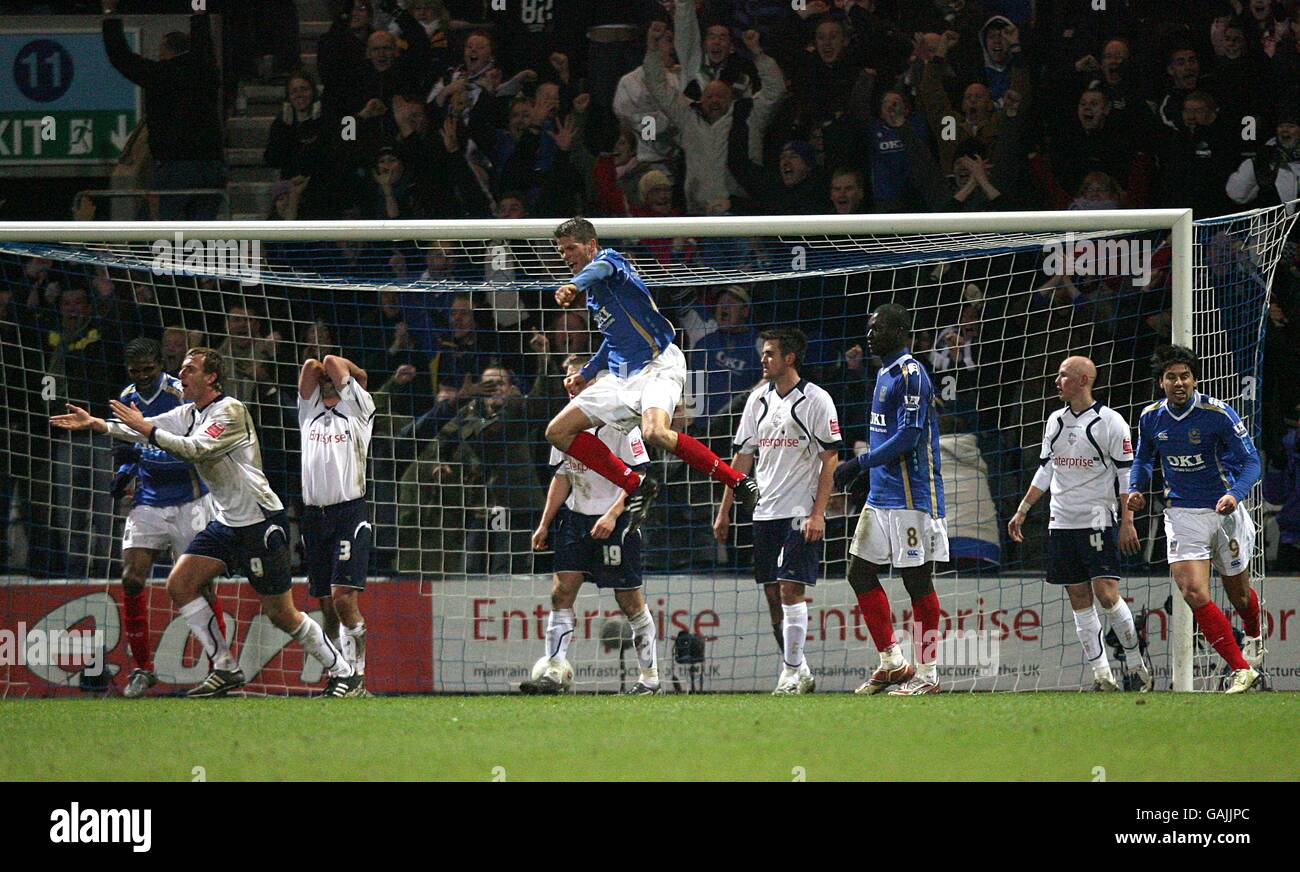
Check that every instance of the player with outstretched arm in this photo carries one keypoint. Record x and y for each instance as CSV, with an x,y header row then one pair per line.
x,y
645,378
337,418
250,529
168,507
792,425
1086,451
902,524
1209,464
592,542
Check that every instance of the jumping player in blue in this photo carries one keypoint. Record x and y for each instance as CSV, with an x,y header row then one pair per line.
x,y
169,506
1209,465
645,375
902,523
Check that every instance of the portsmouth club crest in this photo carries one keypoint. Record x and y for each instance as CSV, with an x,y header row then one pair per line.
x,y
1194,436
884,393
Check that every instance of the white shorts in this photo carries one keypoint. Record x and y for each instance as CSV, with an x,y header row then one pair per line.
x,y
620,402
899,537
1204,534
160,528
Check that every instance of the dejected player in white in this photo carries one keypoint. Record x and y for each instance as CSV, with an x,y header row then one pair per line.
x,y
791,424
250,529
902,525
644,375
592,541
1209,465
1086,453
169,505
337,417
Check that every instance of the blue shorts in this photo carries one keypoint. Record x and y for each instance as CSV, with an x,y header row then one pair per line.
x,y
613,563
781,554
1077,556
260,551
336,541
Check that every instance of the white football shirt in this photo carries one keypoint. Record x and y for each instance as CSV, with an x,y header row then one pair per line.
x,y
1084,459
591,493
335,443
788,433
220,441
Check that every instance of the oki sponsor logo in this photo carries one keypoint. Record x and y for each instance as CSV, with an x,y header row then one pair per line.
x,y
77,825
54,647
1186,461
878,420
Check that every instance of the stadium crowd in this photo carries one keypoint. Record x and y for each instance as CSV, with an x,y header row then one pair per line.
x,y
723,107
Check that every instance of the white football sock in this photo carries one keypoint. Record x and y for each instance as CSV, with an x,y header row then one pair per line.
x,y
1121,621
1087,623
203,624
354,641
312,638
647,652
794,631
892,657
559,630
346,648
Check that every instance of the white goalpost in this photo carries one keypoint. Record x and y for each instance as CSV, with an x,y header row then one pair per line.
x,y
457,472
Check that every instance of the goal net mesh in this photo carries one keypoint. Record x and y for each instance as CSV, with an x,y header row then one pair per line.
x,y
464,348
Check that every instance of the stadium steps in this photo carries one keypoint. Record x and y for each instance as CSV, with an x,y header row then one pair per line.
x,y
243,131
250,198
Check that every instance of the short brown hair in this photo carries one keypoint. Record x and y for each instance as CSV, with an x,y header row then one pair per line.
x,y
578,228
791,340
212,363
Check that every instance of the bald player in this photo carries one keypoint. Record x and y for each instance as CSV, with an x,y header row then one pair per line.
x,y
1086,453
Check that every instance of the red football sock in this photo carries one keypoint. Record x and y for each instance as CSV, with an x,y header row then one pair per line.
x,y
700,458
926,610
599,459
1250,617
875,611
137,628
1218,632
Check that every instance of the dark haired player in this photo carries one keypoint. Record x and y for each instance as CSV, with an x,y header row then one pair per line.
x,y
645,379
1209,465
792,426
168,507
902,524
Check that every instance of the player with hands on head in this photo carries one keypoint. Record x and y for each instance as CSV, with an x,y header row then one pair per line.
x,y
645,375
1086,452
792,426
1209,464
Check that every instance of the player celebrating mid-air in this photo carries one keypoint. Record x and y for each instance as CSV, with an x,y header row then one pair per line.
x,y
249,532
592,540
902,523
645,380
1086,447
337,418
792,425
169,505
1209,465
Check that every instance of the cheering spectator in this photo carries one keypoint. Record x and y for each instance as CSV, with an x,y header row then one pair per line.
x,y
175,342
797,187
182,110
1200,156
1273,175
394,194
249,354
435,20
848,194
716,61
341,57
294,146
637,108
1184,70
727,354
1093,144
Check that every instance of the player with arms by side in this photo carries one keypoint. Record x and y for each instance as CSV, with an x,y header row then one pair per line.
x,y
792,425
592,540
1086,450
902,525
1209,464
249,531
337,418
168,507
645,379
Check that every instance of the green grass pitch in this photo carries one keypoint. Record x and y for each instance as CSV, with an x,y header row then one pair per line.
x,y
1029,736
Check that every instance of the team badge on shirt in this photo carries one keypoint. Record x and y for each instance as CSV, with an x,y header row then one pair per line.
x,y
1194,436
